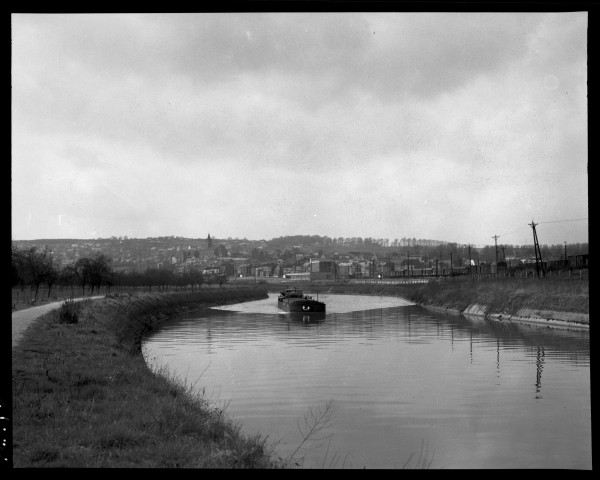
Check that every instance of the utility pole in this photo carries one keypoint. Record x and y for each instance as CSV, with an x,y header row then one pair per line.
x,y
538,253
495,237
566,262
470,261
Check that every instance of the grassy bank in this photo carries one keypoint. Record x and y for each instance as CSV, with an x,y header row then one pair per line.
x,y
506,296
503,295
84,397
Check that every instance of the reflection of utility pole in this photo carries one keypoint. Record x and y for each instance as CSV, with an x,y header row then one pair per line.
x,y
498,355
471,344
538,254
539,363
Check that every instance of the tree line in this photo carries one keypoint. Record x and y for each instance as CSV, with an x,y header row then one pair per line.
x,y
34,267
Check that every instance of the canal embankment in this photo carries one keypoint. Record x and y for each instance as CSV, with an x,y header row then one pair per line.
x,y
83,395
553,302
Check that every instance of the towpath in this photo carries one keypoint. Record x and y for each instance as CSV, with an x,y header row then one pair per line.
x,y
21,319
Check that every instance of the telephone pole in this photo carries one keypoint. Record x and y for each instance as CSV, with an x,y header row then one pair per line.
x,y
538,253
470,261
495,237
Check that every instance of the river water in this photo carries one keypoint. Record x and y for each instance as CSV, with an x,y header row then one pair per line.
x,y
388,384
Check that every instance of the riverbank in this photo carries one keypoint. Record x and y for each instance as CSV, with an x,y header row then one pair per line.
x,y
83,395
557,303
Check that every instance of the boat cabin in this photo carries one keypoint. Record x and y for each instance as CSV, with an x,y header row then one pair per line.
x,y
292,293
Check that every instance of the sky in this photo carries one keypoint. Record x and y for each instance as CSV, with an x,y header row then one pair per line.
x,y
455,127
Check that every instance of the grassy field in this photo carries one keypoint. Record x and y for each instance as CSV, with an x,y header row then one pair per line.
x,y
23,298
84,397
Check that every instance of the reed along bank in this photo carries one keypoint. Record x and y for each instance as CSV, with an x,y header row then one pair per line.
x,y
83,395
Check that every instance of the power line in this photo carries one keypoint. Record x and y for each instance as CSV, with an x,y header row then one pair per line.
x,y
551,221
560,221
509,233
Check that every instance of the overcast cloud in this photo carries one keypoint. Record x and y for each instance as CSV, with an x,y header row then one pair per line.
x,y
445,126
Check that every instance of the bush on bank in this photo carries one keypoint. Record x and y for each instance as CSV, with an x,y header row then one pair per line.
x,y
83,395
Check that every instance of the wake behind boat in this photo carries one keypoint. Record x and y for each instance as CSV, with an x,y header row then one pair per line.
x,y
293,300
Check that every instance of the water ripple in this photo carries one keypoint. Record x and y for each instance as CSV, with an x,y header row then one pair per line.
x,y
398,375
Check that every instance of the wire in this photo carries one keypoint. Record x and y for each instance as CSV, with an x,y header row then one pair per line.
x,y
571,220
509,233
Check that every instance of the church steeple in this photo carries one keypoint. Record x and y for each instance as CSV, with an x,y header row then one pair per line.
x,y
209,240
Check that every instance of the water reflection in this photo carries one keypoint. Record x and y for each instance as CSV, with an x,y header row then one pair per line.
x,y
399,376
306,318
539,367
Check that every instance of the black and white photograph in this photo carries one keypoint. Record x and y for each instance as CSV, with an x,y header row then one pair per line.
x,y
299,240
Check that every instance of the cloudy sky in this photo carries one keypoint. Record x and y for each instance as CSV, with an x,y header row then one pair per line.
x,y
445,126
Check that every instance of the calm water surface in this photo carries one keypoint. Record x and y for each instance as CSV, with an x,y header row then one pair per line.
x,y
408,387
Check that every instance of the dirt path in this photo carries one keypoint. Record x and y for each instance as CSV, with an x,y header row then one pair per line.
x,y
21,319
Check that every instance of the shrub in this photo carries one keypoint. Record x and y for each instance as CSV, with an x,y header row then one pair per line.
x,y
69,312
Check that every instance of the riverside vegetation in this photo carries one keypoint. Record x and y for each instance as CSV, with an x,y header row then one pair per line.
x,y
499,295
83,395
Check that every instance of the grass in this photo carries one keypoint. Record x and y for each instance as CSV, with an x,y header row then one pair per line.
x,y
83,395
501,295
25,298
504,295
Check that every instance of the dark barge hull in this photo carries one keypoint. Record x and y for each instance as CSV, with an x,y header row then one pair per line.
x,y
302,306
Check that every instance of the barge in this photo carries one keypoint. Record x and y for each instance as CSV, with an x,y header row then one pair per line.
x,y
294,301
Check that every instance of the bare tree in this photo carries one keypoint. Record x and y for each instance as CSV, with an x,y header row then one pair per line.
x,y
81,271
50,270
92,272
18,268
99,271
221,279
35,267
